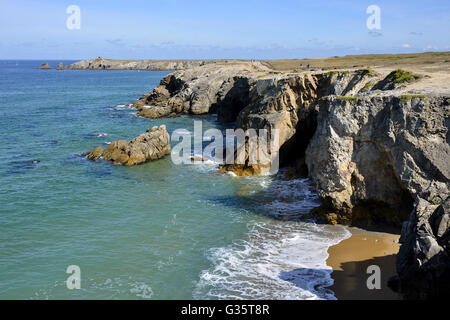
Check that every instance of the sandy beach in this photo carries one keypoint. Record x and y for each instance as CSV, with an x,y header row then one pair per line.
x,y
351,257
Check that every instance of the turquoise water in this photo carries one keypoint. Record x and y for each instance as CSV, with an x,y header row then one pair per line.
x,y
159,230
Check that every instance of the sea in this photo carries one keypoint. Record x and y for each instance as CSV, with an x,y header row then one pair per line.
x,y
155,231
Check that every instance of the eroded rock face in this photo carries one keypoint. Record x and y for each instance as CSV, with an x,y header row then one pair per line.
x,y
152,145
423,262
199,90
289,103
369,153
378,154
370,150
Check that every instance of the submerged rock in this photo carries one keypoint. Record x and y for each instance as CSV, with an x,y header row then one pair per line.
x,y
152,145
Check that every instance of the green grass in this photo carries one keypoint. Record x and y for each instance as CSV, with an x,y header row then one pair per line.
x,y
436,199
379,60
401,76
409,97
367,71
345,98
368,85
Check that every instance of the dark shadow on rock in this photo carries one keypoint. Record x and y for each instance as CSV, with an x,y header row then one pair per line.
x,y
236,99
351,282
312,280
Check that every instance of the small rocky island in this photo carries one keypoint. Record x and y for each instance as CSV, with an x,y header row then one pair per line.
x,y
45,66
152,145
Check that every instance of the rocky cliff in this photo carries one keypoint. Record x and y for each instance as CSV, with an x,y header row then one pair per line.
x,y
375,148
423,262
370,157
199,90
371,152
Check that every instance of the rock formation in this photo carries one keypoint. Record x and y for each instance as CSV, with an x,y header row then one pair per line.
x,y
152,145
112,64
371,146
60,66
373,156
45,66
370,152
423,262
199,90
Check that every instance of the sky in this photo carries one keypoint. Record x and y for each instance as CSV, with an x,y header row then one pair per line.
x,y
201,29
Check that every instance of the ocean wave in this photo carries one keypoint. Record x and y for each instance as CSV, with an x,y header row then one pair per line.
x,y
289,198
282,260
280,198
121,107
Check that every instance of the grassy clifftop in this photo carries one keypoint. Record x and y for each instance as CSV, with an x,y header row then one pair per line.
x,y
355,61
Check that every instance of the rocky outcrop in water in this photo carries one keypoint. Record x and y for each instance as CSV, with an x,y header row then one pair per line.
x,y
423,262
45,66
152,145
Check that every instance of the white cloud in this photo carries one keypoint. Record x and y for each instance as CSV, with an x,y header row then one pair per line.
x,y
430,47
406,45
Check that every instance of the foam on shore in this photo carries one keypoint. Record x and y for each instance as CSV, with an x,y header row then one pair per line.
x,y
286,260
279,259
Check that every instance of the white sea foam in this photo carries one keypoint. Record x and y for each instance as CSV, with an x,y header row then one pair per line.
x,y
279,259
120,107
282,260
204,164
101,134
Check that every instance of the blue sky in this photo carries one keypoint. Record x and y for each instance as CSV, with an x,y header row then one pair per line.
x,y
188,29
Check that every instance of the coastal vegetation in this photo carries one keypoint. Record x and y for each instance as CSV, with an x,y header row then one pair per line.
x,y
359,61
409,97
401,76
